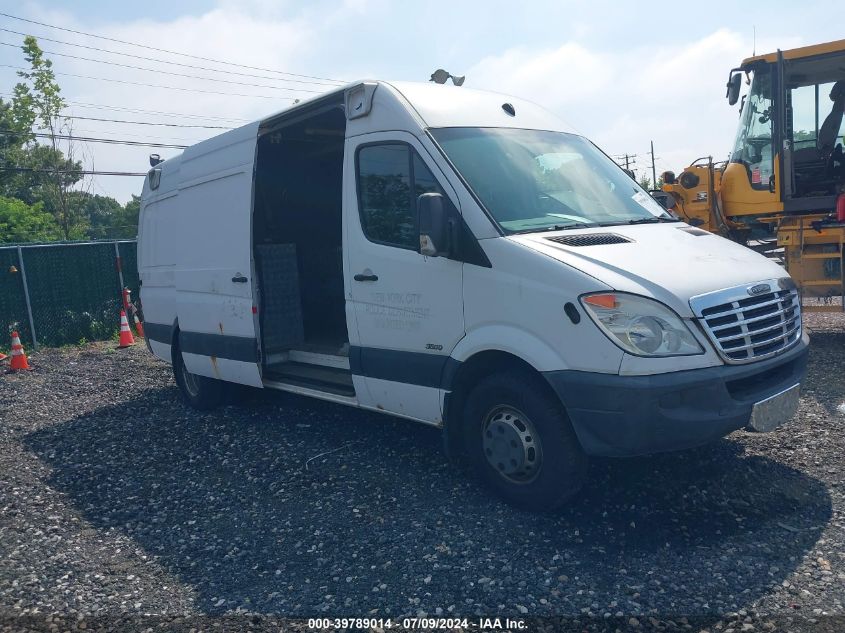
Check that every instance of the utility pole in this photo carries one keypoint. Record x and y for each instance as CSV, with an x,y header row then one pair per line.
x,y
630,159
653,169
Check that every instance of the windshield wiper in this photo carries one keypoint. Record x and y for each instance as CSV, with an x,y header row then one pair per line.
x,y
651,220
559,227
573,225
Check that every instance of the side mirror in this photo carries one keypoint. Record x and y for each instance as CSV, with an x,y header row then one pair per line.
x,y
665,200
433,225
734,84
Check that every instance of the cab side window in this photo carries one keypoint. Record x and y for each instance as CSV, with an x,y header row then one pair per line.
x,y
390,178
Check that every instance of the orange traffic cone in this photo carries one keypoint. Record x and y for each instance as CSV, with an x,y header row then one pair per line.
x,y
19,360
126,338
139,327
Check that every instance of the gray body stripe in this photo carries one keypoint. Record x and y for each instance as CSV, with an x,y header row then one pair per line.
x,y
158,332
242,348
414,368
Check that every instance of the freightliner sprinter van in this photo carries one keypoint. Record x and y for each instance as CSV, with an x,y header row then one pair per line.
x,y
462,259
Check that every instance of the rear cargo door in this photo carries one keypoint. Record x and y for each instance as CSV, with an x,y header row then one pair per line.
x,y
214,280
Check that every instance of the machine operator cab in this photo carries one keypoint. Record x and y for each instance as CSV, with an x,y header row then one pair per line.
x,y
788,155
786,173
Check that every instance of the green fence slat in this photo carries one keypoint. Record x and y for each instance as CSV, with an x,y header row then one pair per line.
x,y
129,261
74,291
13,314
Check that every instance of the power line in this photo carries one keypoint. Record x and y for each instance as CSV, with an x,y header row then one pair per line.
x,y
172,74
629,159
135,83
94,106
91,139
166,61
129,135
81,172
97,106
88,118
164,50
143,137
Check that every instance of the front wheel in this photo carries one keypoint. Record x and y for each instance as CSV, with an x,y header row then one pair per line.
x,y
200,392
520,441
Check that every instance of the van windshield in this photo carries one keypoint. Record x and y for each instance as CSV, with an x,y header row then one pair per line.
x,y
534,180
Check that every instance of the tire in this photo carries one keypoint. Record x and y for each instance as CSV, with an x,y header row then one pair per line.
x,y
520,441
199,392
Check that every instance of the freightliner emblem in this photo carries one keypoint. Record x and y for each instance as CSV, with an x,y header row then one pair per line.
x,y
759,289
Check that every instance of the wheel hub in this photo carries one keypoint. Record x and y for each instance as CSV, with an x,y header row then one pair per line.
x,y
511,444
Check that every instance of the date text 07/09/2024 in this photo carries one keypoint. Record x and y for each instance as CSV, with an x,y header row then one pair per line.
x,y
477,624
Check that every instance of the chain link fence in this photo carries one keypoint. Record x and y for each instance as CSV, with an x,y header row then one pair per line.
x,y
64,293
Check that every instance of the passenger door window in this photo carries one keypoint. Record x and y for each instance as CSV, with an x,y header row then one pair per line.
x,y
390,178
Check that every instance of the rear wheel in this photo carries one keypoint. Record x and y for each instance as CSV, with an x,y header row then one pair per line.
x,y
520,441
200,392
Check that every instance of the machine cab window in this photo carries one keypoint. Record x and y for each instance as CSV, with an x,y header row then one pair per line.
x,y
753,146
815,129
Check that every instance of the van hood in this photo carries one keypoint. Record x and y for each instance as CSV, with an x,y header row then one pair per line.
x,y
669,262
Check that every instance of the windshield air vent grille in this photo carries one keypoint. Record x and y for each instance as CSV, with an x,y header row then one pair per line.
x,y
694,231
590,239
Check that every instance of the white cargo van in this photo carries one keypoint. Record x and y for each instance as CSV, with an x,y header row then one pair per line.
x,y
462,259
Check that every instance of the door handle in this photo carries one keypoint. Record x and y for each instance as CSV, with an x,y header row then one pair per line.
x,y
367,277
239,279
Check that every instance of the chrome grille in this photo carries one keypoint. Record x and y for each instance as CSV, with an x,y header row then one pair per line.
x,y
747,327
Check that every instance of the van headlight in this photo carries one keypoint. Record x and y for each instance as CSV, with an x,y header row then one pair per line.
x,y
640,326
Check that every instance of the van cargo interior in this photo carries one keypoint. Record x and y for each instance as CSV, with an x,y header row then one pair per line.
x,y
298,250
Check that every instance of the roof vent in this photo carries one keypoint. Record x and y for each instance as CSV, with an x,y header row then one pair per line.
x,y
590,239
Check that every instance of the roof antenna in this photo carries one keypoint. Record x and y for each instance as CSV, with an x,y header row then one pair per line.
x,y
754,41
440,76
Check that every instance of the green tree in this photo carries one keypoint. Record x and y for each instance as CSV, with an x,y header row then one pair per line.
x,y
94,214
14,131
103,217
645,182
38,97
131,212
20,222
37,101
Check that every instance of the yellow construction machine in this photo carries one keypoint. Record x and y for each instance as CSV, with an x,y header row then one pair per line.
x,y
782,190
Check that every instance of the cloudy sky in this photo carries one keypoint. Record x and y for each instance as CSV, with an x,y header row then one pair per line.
x,y
621,73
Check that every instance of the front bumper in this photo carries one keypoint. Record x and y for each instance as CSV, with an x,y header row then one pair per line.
x,y
634,415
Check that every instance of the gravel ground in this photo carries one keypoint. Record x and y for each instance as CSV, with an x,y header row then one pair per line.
x,y
117,499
